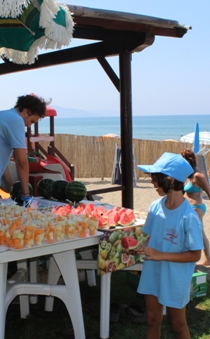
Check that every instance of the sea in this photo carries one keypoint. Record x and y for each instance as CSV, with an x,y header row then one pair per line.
x,y
155,127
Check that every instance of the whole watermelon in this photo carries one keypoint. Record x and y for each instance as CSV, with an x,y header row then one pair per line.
x,y
58,189
44,187
15,192
75,191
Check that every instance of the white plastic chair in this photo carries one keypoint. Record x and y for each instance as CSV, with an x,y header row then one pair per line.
x,y
54,273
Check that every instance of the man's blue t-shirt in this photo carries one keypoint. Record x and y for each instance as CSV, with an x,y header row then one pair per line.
x,y
12,135
177,230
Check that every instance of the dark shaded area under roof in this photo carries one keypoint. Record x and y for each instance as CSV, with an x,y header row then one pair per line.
x,y
114,34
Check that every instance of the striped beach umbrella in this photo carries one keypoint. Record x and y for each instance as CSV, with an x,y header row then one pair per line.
x,y
27,26
204,138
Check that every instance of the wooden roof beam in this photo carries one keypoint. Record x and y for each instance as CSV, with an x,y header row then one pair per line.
x,y
81,53
176,32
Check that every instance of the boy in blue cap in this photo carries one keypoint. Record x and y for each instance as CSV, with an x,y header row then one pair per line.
x,y
173,247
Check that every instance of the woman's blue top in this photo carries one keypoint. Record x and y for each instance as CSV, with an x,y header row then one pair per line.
x,y
190,188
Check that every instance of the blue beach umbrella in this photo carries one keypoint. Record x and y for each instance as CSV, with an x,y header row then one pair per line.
x,y
196,142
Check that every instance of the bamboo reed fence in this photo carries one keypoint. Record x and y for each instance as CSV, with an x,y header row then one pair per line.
x,y
93,157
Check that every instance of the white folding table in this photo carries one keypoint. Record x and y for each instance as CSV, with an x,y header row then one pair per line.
x,y
64,255
65,264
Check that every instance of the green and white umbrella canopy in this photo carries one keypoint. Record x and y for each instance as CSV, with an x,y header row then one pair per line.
x,y
12,8
27,26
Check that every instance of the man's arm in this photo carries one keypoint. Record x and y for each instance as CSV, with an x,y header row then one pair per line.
x,y
22,168
7,179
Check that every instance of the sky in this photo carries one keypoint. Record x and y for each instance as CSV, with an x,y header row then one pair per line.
x,y
170,77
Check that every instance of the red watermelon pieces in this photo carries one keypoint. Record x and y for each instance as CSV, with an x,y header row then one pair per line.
x,y
117,208
101,210
129,243
102,222
113,218
107,212
119,216
122,210
89,209
81,206
106,218
62,210
126,218
131,214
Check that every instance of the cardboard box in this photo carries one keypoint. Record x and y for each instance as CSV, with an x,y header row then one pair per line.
x,y
198,285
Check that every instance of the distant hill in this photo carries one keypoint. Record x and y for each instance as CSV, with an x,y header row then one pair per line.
x,y
63,112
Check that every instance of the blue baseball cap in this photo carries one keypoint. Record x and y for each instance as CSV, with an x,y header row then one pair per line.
x,y
171,164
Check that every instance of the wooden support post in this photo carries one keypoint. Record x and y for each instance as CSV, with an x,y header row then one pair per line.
x,y
126,129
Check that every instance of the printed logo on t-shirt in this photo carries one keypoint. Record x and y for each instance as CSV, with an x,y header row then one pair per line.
x,y
171,235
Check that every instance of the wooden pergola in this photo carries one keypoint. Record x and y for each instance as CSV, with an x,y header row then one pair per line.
x,y
113,34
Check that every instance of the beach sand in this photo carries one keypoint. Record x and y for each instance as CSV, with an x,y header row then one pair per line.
x,y
144,195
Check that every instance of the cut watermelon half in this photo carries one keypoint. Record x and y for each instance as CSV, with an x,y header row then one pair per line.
x,y
126,219
113,218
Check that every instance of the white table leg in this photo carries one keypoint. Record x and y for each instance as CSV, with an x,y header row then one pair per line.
x,y
105,305
53,277
3,310
33,276
91,277
24,299
67,264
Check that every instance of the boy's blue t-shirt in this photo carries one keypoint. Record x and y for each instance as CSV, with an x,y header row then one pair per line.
x,y
177,230
12,135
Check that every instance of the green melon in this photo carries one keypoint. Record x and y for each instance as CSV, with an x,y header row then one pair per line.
x,y
75,191
58,189
44,187
16,191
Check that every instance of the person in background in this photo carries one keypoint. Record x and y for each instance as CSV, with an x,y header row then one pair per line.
x,y
193,188
28,110
173,247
